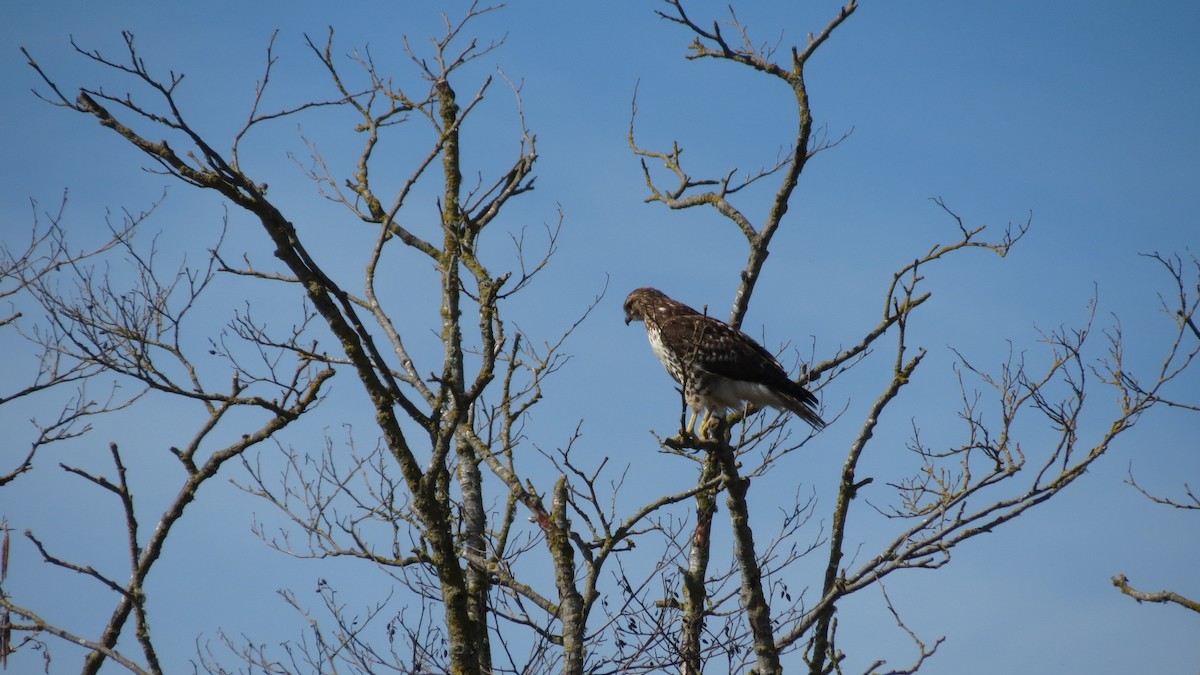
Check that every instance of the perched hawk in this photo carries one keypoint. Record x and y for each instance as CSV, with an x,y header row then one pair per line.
x,y
719,366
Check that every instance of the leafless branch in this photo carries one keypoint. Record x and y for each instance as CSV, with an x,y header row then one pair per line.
x,y
1122,583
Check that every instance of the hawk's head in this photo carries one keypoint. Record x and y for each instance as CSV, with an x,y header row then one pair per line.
x,y
652,306
641,303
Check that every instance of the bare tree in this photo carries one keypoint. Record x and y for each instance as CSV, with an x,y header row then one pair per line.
x,y
955,493
464,408
1182,306
444,502
24,270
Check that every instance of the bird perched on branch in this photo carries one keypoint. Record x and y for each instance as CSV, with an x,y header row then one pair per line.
x,y
719,366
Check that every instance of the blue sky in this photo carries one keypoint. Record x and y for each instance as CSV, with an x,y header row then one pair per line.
x,y
1082,114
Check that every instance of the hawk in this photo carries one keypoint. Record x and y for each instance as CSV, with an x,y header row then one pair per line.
x,y
719,366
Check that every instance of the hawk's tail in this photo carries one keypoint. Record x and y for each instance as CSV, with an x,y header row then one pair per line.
x,y
802,402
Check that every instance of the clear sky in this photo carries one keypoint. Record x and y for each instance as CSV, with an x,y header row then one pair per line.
x,y
1083,114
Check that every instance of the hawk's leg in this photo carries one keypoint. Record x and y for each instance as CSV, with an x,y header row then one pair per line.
x,y
711,424
708,424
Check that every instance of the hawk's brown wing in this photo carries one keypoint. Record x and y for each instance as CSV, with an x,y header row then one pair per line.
x,y
718,348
